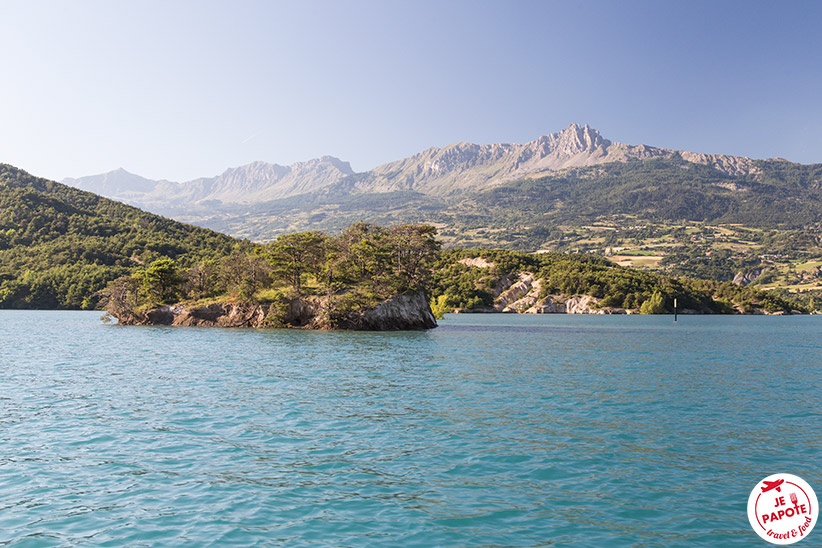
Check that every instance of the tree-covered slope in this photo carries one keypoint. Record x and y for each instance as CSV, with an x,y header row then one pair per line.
x,y
777,194
59,245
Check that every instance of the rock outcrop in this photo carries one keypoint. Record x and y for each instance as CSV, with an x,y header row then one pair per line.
x,y
478,262
548,306
743,278
519,296
212,315
580,304
403,312
523,297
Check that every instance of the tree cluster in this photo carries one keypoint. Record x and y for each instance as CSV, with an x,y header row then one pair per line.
x,y
359,267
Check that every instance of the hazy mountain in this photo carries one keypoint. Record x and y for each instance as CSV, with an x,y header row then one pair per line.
x,y
261,182
119,183
252,183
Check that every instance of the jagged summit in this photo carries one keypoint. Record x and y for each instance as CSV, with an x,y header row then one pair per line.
x,y
575,139
469,166
261,181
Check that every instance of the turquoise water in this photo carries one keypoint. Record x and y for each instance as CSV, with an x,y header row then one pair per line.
x,y
488,431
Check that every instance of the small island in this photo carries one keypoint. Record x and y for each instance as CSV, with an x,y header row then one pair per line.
x,y
366,278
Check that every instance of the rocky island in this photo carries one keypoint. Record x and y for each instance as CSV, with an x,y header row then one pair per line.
x,y
366,278
404,312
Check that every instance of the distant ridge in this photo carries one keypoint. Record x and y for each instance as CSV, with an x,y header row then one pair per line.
x,y
119,183
252,183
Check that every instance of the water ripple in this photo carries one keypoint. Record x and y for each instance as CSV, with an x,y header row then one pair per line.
x,y
489,431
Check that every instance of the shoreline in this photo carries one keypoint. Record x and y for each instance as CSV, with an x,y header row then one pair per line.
x,y
400,313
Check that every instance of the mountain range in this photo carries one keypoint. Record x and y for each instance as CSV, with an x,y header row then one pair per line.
x,y
434,171
570,174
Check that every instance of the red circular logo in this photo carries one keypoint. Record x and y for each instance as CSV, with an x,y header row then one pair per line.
x,y
782,509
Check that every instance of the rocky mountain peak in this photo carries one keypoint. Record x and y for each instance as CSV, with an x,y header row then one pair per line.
x,y
576,139
265,171
324,162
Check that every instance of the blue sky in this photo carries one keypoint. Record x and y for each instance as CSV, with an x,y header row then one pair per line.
x,y
178,90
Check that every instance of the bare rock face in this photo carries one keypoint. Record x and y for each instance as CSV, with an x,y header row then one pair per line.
x,y
476,262
440,171
520,296
547,306
582,304
213,315
302,313
461,166
729,165
746,279
403,312
515,292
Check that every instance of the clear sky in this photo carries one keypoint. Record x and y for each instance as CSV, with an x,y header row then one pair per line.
x,y
178,90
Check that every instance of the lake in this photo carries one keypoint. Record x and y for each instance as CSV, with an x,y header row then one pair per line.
x,y
491,430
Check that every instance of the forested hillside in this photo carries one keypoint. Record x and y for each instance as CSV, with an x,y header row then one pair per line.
x,y
59,245
338,277
777,194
